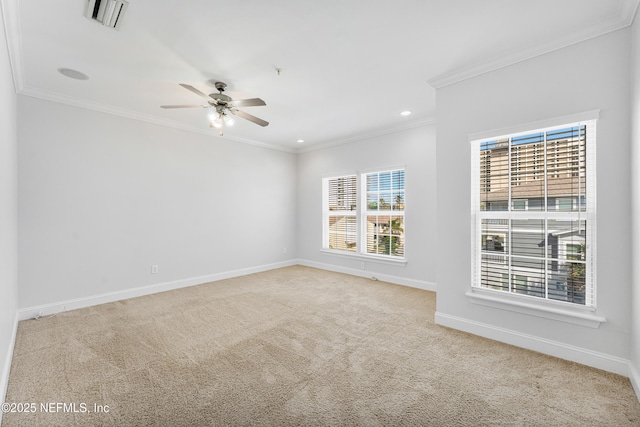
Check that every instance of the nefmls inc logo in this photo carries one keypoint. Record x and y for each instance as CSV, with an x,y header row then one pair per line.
x,y
55,407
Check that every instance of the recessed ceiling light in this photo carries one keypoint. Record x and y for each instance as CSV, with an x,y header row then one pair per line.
x,y
300,141
405,113
73,74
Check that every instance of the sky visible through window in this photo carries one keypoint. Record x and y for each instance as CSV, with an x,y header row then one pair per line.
x,y
570,132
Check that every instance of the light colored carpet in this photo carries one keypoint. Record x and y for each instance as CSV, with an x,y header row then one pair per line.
x,y
295,346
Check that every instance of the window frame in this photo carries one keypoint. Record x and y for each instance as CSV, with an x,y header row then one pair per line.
x,y
361,218
366,212
541,306
327,213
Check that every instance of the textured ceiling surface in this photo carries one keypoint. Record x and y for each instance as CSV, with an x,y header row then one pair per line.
x,y
329,71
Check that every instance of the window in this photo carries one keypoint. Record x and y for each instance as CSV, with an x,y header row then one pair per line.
x,y
340,213
364,214
383,218
575,251
533,203
519,205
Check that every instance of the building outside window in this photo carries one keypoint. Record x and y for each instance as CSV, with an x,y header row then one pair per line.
x,y
533,204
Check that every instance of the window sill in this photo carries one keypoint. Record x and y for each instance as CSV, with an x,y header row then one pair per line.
x,y
582,316
368,258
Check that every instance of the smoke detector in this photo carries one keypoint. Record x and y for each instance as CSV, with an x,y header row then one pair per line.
x,y
106,12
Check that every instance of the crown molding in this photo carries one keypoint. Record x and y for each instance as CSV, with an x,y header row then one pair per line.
x,y
10,13
148,118
626,14
429,121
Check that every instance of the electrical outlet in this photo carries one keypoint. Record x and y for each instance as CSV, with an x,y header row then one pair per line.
x,y
154,269
284,250
362,265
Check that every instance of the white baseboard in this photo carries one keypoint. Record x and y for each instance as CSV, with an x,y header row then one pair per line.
x,y
541,345
72,304
634,377
413,283
6,369
61,306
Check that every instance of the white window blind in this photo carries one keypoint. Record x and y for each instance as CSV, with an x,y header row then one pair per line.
x,y
533,205
340,213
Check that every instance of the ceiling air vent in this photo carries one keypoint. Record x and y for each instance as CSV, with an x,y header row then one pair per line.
x,y
106,12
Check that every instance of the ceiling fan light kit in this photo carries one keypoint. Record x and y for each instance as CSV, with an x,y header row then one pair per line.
x,y
228,120
223,105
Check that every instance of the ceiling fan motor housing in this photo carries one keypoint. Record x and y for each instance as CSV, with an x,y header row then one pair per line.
x,y
221,97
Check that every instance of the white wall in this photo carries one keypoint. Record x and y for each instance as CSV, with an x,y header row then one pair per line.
x,y
415,150
103,198
635,185
8,213
594,74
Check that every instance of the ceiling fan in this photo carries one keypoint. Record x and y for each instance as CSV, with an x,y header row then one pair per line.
x,y
223,105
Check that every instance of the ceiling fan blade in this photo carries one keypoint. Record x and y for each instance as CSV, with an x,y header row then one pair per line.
x,y
252,102
249,117
193,89
183,106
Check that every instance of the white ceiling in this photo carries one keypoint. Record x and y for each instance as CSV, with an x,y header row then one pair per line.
x,y
348,67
